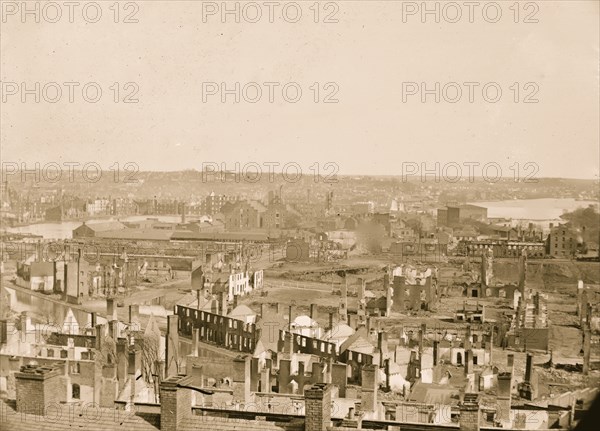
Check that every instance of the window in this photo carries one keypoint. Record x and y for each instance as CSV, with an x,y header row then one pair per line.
x,y
50,353
76,368
63,353
76,391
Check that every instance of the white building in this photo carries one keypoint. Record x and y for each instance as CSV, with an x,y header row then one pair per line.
x,y
239,284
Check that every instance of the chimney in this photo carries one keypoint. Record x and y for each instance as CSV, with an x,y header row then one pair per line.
x,y
339,378
318,407
263,310
343,309
288,343
114,329
504,399
23,320
468,338
469,413
134,316
290,319
510,360
422,332
172,346
93,320
579,297
528,388
529,368
586,350
214,306
382,346
318,372
368,398
361,288
222,303
468,362
352,321
436,353
99,341
195,341
313,311
284,377
135,363
38,387
175,402
522,271
122,362
331,322
241,379
265,380
254,375
110,309
386,365
300,368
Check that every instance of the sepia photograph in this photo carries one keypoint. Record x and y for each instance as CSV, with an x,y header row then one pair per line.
x,y
303,215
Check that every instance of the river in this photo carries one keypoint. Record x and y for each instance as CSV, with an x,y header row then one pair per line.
x,y
547,209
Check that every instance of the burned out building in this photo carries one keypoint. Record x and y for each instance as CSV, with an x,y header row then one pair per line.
x,y
414,289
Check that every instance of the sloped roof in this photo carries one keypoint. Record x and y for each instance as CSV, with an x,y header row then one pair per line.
x,y
304,321
137,234
431,393
105,226
501,228
219,236
358,342
377,303
257,206
191,300
241,310
341,330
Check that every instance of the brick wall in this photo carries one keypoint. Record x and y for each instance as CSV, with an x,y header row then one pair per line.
x,y
469,417
175,402
318,407
38,388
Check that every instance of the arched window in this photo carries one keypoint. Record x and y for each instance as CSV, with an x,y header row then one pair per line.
x,y
76,391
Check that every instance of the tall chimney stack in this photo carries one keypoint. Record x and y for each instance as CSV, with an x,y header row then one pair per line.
x,y
586,350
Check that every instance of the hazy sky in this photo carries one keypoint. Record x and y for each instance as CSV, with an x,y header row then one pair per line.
x,y
368,54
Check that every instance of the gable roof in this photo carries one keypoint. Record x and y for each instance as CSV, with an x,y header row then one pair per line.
x,y
358,342
241,310
105,226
